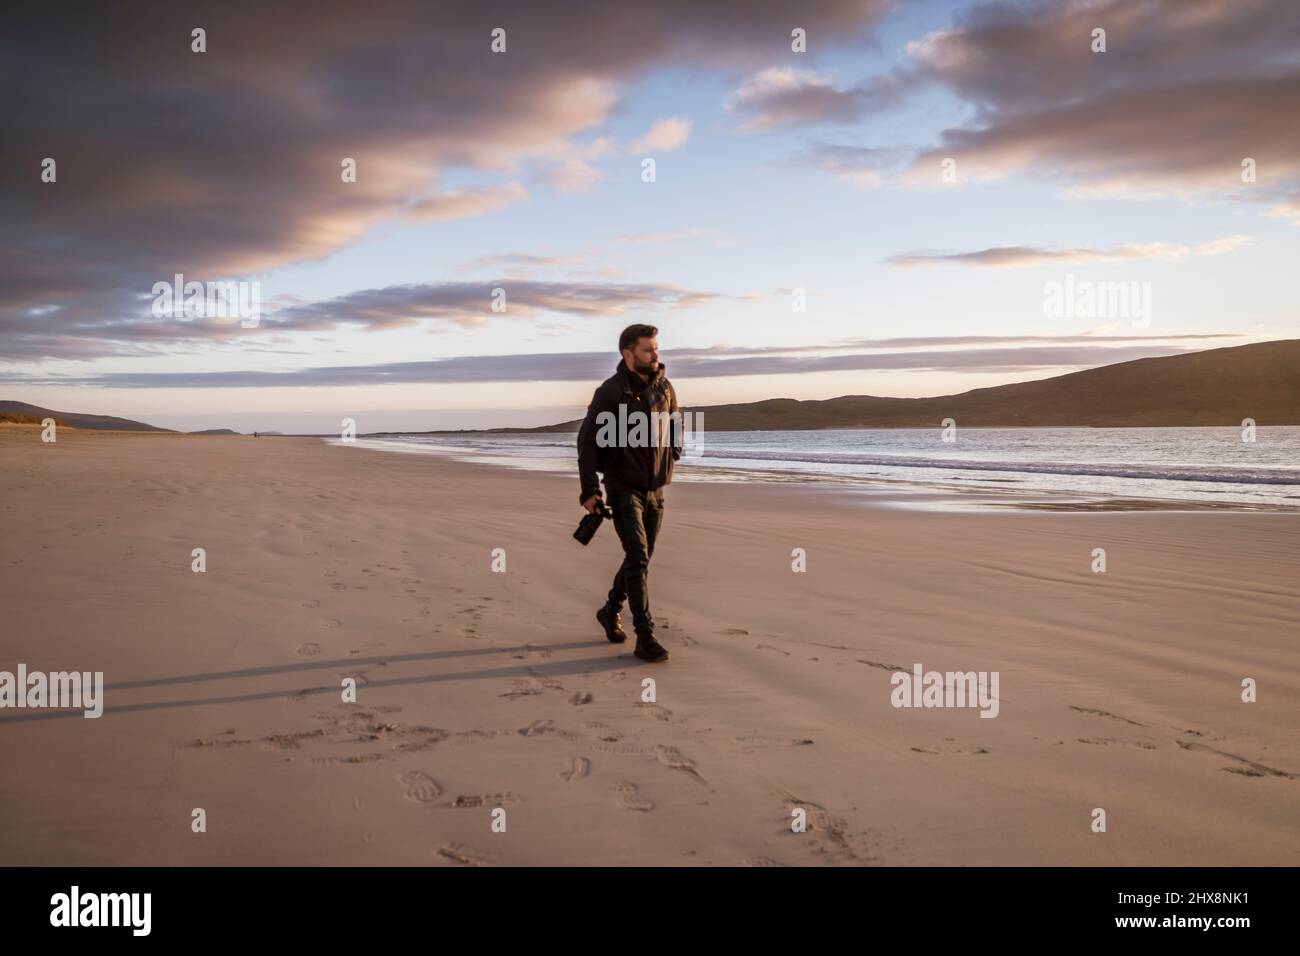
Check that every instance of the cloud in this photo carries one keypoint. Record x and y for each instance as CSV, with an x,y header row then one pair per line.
x,y
435,306
931,354
864,165
227,163
571,174
464,203
655,238
469,304
780,97
948,341
1185,91
1018,257
517,261
1288,209
664,136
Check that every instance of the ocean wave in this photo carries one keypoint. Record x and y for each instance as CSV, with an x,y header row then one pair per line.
x,y
1162,472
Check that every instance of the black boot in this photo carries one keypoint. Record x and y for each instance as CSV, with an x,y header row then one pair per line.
x,y
648,649
609,620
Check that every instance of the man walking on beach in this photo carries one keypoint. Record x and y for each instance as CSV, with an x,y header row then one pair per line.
x,y
624,438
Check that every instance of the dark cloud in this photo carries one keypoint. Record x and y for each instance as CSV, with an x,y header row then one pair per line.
x,y
780,97
1185,91
227,163
1026,57
470,303
437,306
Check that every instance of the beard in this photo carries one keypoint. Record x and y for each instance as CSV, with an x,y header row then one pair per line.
x,y
646,370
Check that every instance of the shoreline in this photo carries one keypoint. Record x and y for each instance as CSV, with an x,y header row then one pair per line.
x,y
875,490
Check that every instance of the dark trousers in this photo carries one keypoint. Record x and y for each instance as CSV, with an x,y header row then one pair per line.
x,y
638,515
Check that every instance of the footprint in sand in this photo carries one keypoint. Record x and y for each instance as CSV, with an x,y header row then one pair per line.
x,y
655,711
578,768
630,797
331,622
621,750
484,799
1111,741
539,727
549,683
822,821
735,631
458,853
827,833
311,603
1094,712
522,688
420,787
672,758
879,665
289,741
760,740
578,699
309,649
356,758
1248,768
603,731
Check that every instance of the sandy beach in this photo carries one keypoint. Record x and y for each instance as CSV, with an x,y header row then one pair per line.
x,y
480,690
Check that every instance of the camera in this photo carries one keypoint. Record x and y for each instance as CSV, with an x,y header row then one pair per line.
x,y
590,524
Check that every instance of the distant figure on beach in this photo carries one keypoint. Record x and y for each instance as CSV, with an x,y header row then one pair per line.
x,y
254,434
623,438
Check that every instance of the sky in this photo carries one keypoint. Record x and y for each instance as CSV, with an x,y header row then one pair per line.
x,y
862,197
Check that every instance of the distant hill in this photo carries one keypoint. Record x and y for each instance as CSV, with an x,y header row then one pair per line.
x,y
14,419
1214,387
215,431
21,410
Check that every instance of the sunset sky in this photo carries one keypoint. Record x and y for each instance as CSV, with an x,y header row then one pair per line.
x,y
522,170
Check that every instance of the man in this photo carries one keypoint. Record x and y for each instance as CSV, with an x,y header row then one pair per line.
x,y
625,437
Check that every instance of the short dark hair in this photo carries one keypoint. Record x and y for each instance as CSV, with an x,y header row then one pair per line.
x,y
633,334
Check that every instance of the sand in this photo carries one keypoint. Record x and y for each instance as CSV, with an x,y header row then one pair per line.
x,y
480,691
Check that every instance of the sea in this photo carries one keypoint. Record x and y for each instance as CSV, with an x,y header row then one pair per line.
x,y
1204,467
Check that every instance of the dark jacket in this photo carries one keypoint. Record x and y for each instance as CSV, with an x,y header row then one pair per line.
x,y
647,467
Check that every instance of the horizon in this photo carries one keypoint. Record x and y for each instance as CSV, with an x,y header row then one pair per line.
x,y
578,410
903,201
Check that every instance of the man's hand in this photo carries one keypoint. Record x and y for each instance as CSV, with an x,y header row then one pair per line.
x,y
591,504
